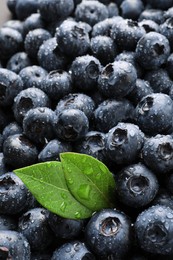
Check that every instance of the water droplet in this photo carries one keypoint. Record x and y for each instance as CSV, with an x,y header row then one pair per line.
x,y
77,215
88,170
84,191
63,195
103,168
70,181
63,206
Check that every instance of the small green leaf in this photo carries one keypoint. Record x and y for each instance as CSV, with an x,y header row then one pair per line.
x,y
47,183
89,180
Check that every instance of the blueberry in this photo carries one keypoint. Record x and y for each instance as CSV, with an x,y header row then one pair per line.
x,y
72,250
168,13
38,125
161,4
124,142
113,10
14,24
149,25
103,48
159,80
57,84
11,129
136,185
154,230
27,99
71,124
11,41
93,143
33,225
10,85
34,21
57,8
3,166
50,57
79,101
14,245
8,223
34,39
117,79
154,114
52,150
169,65
163,197
131,9
18,61
108,234
71,33
13,194
22,149
32,75
91,12
155,15
152,50
166,30
85,72
142,88
64,228
169,183
126,33
11,4
24,9
110,112
3,120
157,153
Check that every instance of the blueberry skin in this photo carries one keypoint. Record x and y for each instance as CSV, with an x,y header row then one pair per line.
x,y
71,33
79,101
159,80
14,245
155,15
11,41
93,144
33,224
85,72
142,88
11,129
3,119
154,230
166,30
57,8
8,223
110,112
32,75
24,9
124,142
11,4
14,24
38,125
157,153
161,4
136,185
34,39
149,25
131,10
164,198
3,166
168,13
104,49
10,85
34,21
13,194
108,233
113,10
28,99
154,114
50,57
91,12
70,124
152,50
64,228
57,84
22,149
169,65
117,79
126,34
74,249
52,150
18,61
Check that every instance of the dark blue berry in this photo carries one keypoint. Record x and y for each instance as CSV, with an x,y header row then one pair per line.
x,y
110,112
32,22
154,230
131,9
18,61
124,142
149,25
136,185
14,24
13,245
25,8
85,72
108,234
22,149
113,10
11,129
33,225
8,223
163,197
154,114
3,166
91,12
71,124
160,4
11,4
71,33
152,50
166,30
38,124
157,153
117,79
155,15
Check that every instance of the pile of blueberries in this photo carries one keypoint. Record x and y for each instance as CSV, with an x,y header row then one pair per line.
x,y
92,77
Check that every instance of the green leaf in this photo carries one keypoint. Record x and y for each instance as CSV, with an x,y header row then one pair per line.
x,y
89,180
47,183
